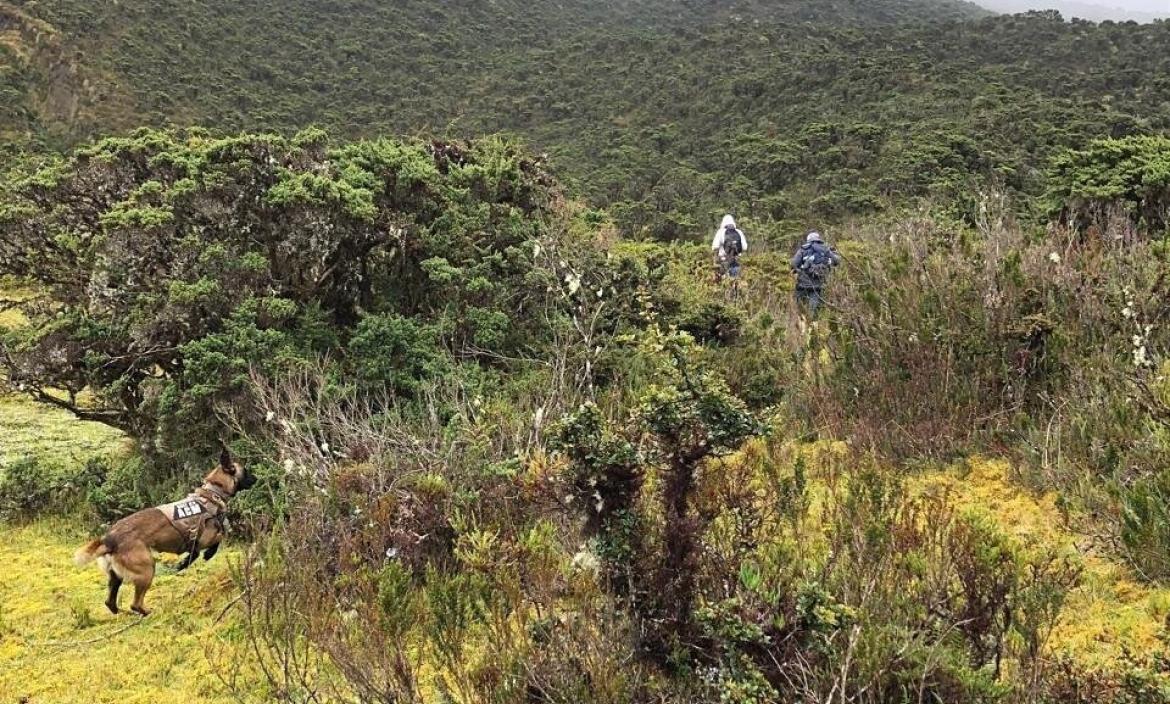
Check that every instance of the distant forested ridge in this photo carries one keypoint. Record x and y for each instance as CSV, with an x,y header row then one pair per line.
x,y
661,112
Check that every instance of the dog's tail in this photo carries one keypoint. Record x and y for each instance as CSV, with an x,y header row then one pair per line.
x,y
90,551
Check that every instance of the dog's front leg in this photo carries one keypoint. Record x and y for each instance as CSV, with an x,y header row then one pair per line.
x,y
210,552
187,560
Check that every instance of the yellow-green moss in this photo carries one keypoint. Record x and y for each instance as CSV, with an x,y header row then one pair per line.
x,y
28,428
13,292
1111,612
168,657
11,318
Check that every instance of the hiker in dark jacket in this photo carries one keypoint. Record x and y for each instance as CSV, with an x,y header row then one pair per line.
x,y
812,264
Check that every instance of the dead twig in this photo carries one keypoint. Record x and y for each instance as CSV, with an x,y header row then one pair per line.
x,y
228,606
65,644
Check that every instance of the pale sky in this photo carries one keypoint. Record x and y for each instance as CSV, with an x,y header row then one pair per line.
x,y
1088,9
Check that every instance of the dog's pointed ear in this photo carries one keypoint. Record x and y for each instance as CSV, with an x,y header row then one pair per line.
x,y
225,461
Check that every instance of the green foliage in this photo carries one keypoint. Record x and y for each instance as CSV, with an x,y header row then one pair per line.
x,y
101,490
1145,524
814,117
1130,174
183,264
27,488
605,472
740,681
396,352
114,488
687,418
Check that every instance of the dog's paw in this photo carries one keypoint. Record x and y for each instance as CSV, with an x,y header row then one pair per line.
x,y
140,611
112,606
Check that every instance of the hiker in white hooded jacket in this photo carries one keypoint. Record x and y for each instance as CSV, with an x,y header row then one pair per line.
x,y
729,242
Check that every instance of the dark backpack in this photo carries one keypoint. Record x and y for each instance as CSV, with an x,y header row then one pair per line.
x,y
817,262
732,242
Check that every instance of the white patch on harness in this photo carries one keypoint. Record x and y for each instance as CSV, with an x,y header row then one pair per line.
x,y
188,508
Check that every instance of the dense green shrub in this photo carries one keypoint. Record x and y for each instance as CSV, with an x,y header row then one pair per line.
x,y
1130,175
103,489
1145,524
687,418
179,264
28,488
396,352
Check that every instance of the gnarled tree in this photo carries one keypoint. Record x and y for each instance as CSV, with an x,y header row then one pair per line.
x,y
170,264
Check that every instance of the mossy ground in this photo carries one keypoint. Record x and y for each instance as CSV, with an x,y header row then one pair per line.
x,y
1111,613
59,644
30,429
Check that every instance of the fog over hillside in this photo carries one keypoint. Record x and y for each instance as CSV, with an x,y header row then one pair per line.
x,y
1140,10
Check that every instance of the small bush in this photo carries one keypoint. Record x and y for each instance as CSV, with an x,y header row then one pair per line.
x,y
115,488
1145,525
82,617
28,488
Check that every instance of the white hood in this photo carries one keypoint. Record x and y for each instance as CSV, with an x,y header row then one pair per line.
x,y
717,240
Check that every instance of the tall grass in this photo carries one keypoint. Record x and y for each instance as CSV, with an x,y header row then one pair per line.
x,y
432,554
1046,344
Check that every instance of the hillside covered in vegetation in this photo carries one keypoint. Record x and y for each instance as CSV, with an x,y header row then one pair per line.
x,y
663,112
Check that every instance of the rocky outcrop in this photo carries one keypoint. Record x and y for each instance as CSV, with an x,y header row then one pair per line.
x,y
56,88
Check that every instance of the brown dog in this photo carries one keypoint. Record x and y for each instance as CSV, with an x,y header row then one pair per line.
x,y
189,526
